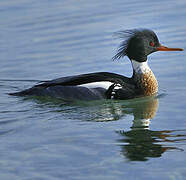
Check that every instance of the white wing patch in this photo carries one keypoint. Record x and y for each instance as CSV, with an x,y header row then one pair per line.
x,y
103,84
116,87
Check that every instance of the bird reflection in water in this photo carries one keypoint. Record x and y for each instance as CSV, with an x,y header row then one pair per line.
x,y
140,143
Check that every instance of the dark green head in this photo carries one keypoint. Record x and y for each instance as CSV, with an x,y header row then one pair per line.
x,y
139,43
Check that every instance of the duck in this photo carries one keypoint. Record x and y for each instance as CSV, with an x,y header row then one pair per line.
x,y
136,44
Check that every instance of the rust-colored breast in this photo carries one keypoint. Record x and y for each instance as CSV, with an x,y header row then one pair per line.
x,y
146,83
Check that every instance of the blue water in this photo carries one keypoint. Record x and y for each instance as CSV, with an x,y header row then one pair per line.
x,y
48,139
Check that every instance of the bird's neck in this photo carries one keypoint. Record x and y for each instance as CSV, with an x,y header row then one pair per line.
x,y
144,78
140,67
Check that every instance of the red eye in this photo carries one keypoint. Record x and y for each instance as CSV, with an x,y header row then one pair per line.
x,y
151,44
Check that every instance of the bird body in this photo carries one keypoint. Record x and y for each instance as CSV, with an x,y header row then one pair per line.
x,y
137,45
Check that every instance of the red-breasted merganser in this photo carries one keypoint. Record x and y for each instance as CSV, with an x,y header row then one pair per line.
x,y
137,45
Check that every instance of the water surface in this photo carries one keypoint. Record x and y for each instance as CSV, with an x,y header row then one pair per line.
x,y
49,139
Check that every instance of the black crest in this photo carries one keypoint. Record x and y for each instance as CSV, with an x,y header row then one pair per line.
x,y
135,44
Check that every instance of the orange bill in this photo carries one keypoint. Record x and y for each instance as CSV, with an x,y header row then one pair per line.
x,y
164,48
